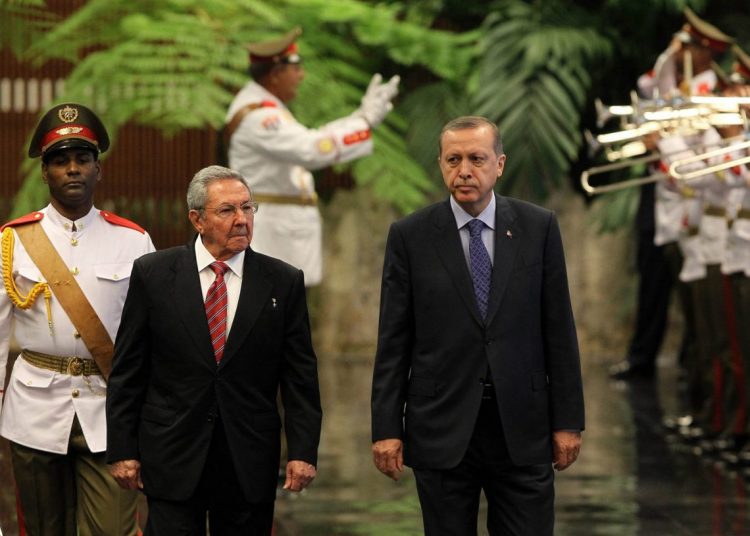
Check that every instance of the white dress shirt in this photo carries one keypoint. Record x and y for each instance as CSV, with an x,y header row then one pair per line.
x,y
488,232
232,277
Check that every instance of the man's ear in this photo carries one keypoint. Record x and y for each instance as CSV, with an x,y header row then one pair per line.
x,y
195,218
500,165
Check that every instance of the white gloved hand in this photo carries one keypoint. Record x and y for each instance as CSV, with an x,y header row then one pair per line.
x,y
376,102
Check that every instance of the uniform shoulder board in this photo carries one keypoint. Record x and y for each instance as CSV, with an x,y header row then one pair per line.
x,y
114,219
28,218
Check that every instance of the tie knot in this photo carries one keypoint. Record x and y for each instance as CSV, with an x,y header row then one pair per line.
x,y
475,227
219,268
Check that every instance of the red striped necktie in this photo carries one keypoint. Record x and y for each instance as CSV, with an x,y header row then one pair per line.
x,y
216,309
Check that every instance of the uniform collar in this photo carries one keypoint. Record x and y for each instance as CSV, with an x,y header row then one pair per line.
x,y
265,94
61,222
204,258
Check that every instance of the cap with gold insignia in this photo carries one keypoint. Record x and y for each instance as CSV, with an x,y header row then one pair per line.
x,y
281,50
68,126
699,32
741,66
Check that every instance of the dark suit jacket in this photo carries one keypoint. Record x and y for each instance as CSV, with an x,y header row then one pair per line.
x,y
434,347
165,390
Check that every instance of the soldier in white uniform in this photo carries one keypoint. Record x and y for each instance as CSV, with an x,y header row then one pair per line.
x,y
53,412
275,152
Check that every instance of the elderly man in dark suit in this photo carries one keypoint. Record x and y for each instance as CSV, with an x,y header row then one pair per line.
x,y
210,331
477,382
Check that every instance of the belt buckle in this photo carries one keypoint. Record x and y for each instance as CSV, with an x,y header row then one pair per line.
x,y
75,366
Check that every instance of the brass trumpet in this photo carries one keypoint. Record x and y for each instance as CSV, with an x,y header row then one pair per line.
x,y
605,113
676,107
681,121
720,103
679,116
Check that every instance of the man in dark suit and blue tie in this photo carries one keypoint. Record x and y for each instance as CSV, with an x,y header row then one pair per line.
x,y
210,332
477,383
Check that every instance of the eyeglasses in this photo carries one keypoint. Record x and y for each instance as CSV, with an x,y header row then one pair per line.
x,y
227,211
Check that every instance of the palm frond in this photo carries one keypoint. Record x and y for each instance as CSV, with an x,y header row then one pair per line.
x,y
22,22
535,86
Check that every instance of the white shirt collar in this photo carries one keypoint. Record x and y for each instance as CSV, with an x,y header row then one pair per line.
x,y
463,217
204,258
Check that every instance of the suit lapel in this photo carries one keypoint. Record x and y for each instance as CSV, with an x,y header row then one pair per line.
x,y
507,241
188,299
254,294
451,253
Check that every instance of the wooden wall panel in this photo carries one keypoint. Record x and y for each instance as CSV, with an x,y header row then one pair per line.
x,y
145,174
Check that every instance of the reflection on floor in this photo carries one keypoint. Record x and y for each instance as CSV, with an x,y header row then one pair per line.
x,y
631,479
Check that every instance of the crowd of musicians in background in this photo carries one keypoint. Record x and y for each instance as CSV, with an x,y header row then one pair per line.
x,y
694,237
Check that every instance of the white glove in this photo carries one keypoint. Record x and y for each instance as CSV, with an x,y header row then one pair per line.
x,y
376,102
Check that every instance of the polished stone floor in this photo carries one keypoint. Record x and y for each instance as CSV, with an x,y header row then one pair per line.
x,y
631,479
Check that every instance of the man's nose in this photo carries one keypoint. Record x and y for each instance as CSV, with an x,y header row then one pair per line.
x,y
72,168
240,218
464,169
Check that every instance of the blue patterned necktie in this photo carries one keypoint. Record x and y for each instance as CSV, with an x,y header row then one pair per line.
x,y
481,267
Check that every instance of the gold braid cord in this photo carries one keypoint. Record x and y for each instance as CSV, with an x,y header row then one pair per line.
x,y
20,301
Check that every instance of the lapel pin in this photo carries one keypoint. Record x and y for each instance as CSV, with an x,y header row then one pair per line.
x,y
508,234
273,303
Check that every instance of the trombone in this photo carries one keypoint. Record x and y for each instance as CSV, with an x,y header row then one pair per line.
x,y
674,169
658,176
637,181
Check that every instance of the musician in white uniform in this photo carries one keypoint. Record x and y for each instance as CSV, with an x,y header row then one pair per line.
x,y
53,412
275,152
660,209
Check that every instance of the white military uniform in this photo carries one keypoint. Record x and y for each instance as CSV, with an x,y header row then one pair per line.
x,y
274,152
737,257
676,214
39,405
681,216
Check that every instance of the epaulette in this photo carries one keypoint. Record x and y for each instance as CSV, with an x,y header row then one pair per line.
x,y
28,218
114,219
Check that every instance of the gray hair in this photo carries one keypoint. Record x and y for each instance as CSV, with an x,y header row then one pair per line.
x,y
467,122
198,188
